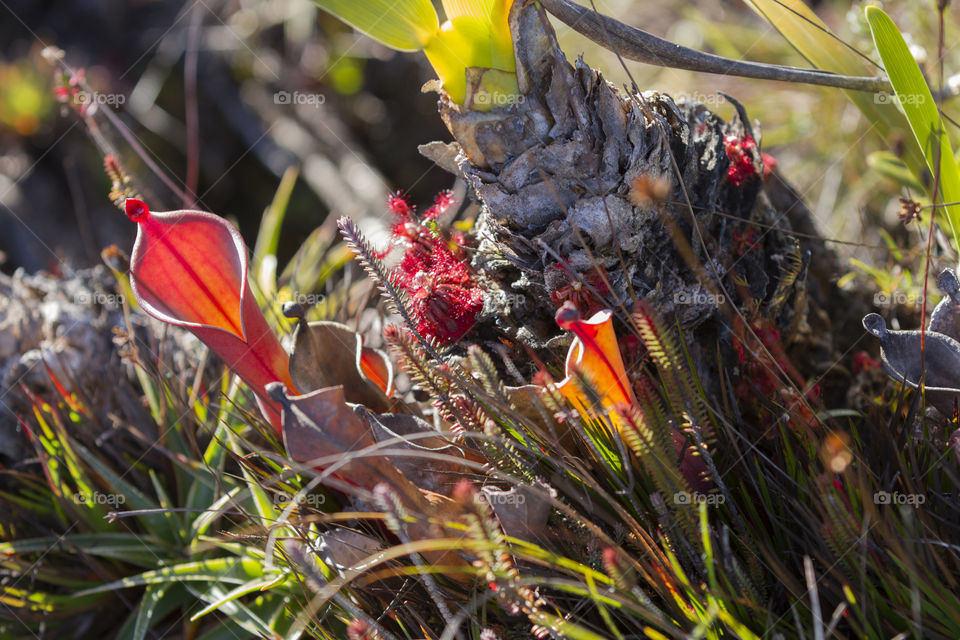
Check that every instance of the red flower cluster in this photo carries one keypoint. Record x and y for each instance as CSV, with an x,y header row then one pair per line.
x,y
763,359
745,241
741,153
863,362
443,297
69,91
587,299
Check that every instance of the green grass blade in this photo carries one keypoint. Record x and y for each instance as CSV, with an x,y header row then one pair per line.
x,y
141,550
229,630
890,166
708,559
174,597
237,592
32,601
202,522
203,489
218,570
133,497
263,503
148,604
169,514
914,97
268,237
259,619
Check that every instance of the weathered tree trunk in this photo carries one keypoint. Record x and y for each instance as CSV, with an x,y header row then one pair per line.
x,y
565,176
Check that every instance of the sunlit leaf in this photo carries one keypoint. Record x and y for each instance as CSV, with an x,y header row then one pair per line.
x,y
404,25
913,97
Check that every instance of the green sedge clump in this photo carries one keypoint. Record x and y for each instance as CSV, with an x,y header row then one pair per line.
x,y
475,36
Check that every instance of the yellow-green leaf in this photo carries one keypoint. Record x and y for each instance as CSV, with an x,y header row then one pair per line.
x,y
476,8
913,97
404,25
493,15
264,262
217,571
468,41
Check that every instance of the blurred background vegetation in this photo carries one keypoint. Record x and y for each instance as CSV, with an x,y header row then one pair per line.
x,y
361,116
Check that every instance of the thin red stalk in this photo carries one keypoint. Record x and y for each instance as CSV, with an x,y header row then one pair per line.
x,y
127,135
936,193
140,151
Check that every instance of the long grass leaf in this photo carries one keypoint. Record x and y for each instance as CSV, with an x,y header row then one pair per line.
x,y
222,570
914,97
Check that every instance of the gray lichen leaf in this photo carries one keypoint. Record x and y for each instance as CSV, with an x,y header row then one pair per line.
x,y
421,464
938,364
320,428
946,316
320,424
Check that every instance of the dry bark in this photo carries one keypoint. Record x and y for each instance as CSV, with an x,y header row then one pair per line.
x,y
554,172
